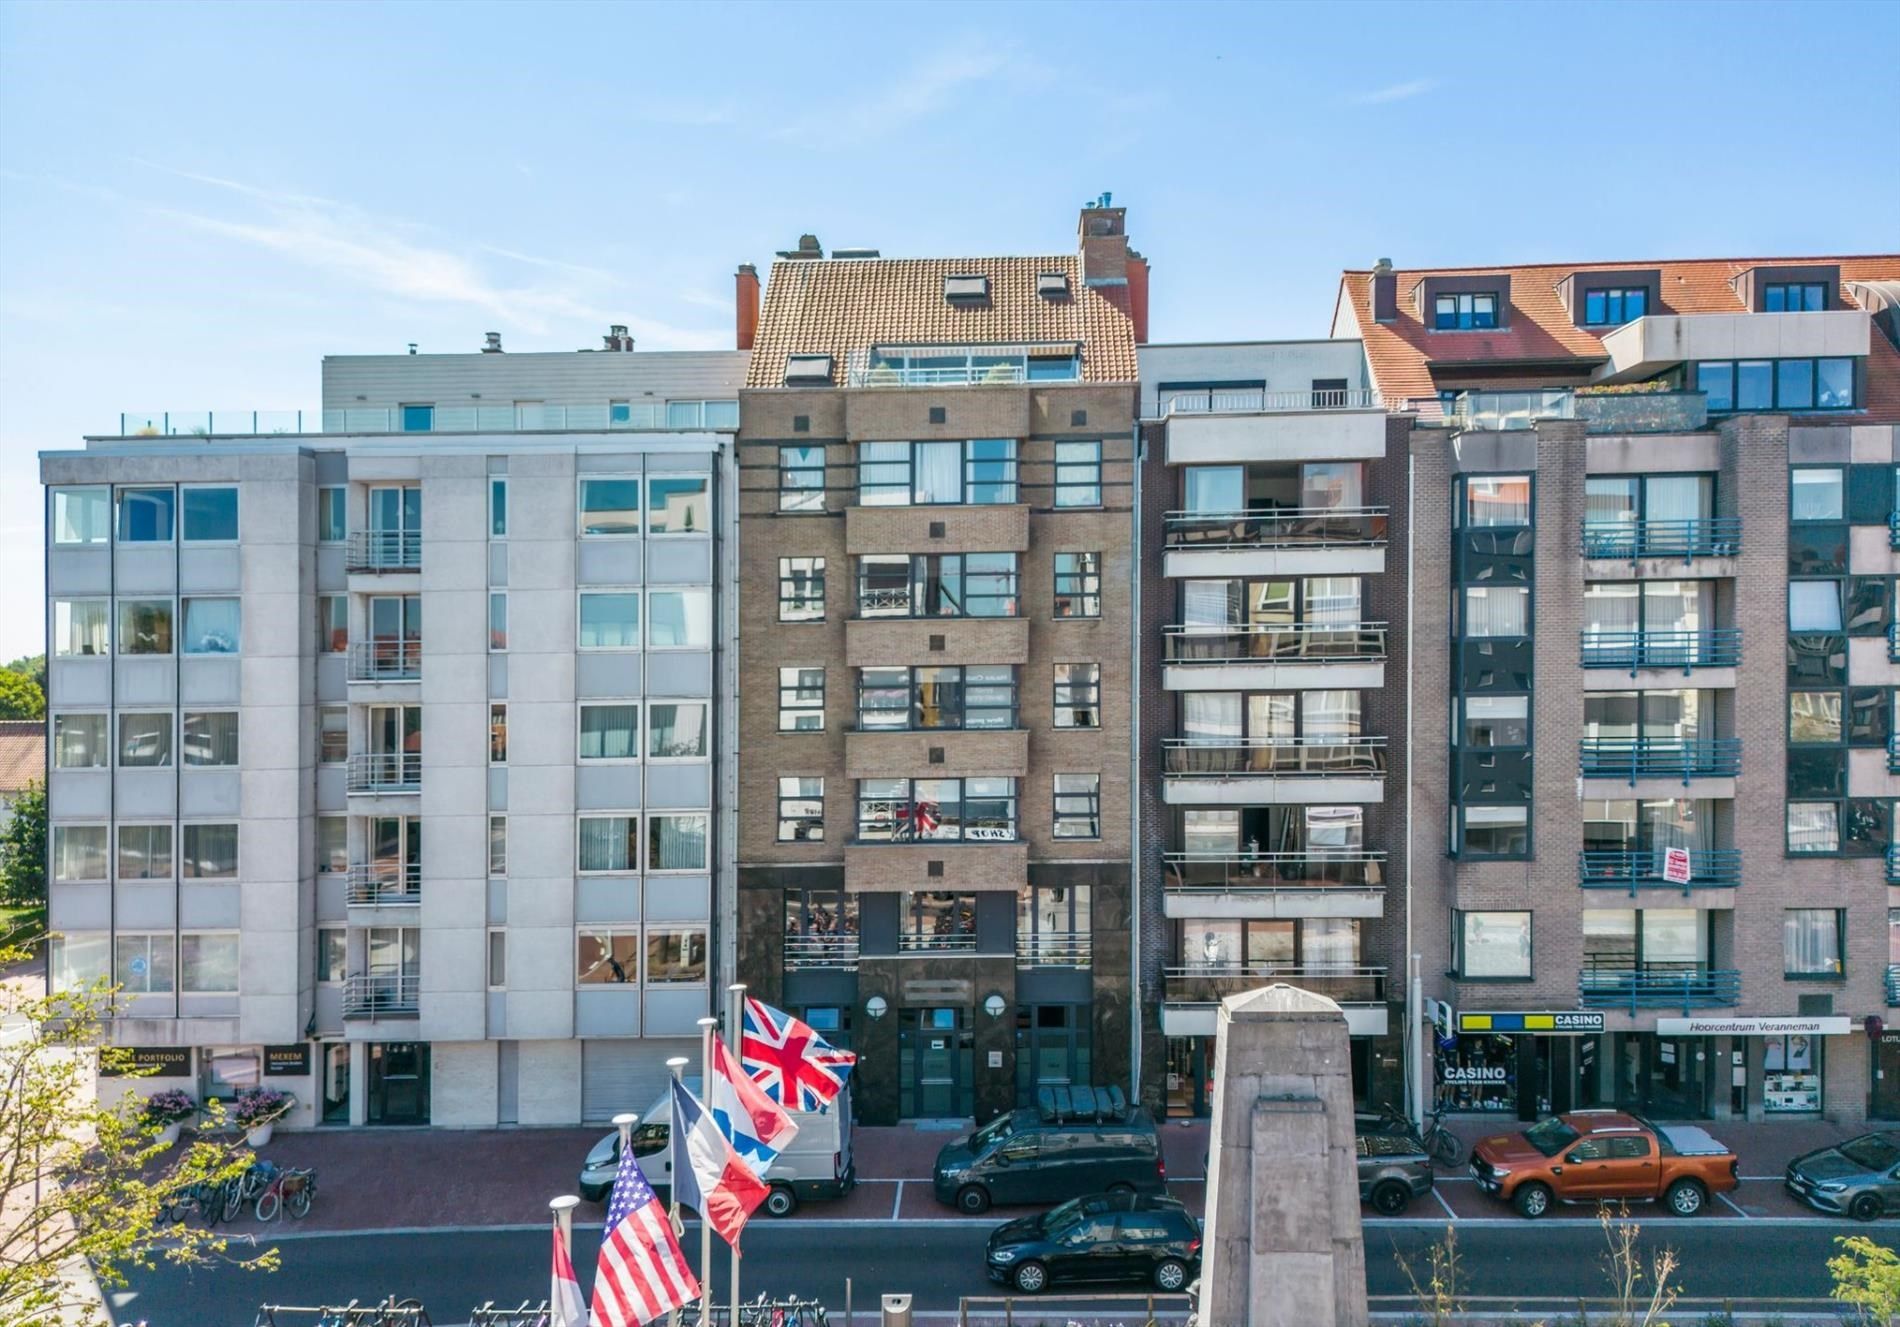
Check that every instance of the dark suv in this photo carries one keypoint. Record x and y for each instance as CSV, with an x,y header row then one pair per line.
x,y
1393,1165
1084,1142
1110,1237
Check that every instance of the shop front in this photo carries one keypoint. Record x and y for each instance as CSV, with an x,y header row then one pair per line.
x,y
1378,1064
1776,1066
1524,1065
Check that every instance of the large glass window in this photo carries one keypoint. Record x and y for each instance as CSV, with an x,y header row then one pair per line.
x,y
607,956
1794,297
1495,831
609,843
1814,827
145,739
610,732
937,696
1496,610
678,842
609,620
898,474
937,920
145,626
676,729
1497,500
801,477
82,516
213,626
145,852
1474,311
79,741
208,962
211,737
935,810
1814,606
679,619
610,507
79,853
210,851
801,589
1078,806
1493,946
81,627
142,964
676,955
679,504
78,961
1812,942
1078,587
1785,384
145,515
801,700
210,514
1495,721
801,809
1078,474
937,585
1816,493
1612,306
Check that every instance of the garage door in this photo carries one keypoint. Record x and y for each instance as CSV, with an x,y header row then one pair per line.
x,y
621,1075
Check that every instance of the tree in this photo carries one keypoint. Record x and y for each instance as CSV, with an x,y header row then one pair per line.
x,y
33,665
1867,1275
82,1183
23,849
20,696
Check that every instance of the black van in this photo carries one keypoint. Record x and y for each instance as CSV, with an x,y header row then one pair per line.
x,y
1076,1140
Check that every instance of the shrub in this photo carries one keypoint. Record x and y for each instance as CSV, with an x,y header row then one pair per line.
x,y
257,1106
169,1107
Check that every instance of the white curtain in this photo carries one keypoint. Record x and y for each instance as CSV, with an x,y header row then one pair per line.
x,y
1210,716
212,626
604,844
939,472
1677,498
1215,490
1500,610
1610,607
1207,604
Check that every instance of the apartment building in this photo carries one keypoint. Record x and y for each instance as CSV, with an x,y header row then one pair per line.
x,y
1653,765
936,587
1272,632
465,875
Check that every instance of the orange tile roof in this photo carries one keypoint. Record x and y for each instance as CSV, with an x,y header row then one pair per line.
x,y
837,306
22,753
1539,327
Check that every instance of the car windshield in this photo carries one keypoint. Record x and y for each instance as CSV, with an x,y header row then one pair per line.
x,y
1060,1218
992,1133
1551,1137
1873,1152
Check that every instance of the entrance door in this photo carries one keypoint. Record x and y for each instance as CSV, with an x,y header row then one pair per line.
x,y
395,527
336,1083
935,1051
399,1082
1886,1095
1052,1048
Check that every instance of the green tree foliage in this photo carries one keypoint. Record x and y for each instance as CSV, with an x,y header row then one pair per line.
x,y
33,665
23,850
20,696
1867,1275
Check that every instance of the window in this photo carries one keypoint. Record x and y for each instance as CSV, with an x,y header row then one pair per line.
x,y
1794,297
210,852
1497,500
333,840
1612,306
1496,610
79,853
81,628
609,843
1814,716
610,507
937,696
79,741
1495,721
211,738
210,515
497,621
333,525
213,626
678,504
1812,942
610,620
679,619
145,852
418,418
145,740
1495,831
801,477
1813,827
498,846
1777,384
801,700
702,414
497,508
1816,494
208,962
720,415
936,810
1814,606
333,734
1493,946
497,959
678,842
1078,585
145,515
82,516
801,589
935,920
1052,923
333,623
1078,474
333,951
1468,312
610,732
145,626
606,957
1078,806
79,961
1078,699
676,729
676,954
801,809
937,585
497,734
906,474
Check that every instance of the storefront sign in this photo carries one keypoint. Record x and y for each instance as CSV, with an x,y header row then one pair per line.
x,y
1574,1022
160,1061
287,1061
1753,1027
1676,866
1475,1073
921,990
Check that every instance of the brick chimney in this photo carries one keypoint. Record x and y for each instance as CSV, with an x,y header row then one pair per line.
x,y
1385,292
1103,240
1138,296
745,306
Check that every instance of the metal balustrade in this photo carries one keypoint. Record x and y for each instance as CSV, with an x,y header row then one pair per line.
x,y
1893,529
1283,527
1893,985
1893,642
386,661
1322,757
909,942
1893,754
378,994
1642,868
384,550
1207,983
1317,869
383,884
384,772
1658,988
1634,758
1687,650
821,951
1284,642
959,375
1256,401
1704,537
1054,949
1893,863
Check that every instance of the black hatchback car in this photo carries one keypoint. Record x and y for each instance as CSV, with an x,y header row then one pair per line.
x,y
1109,1237
1858,1178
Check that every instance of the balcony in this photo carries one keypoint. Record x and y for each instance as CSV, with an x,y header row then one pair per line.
x,y
1494,412
211,423
1642,412
1319,882
803,952
1893,529
1893,863
1686,650
386,661
374,995
1255,401
1893,754
1659,988
1642,868
1053,949
1893,985
1210,983
1634,758
384,551
1644,347
1274,656
1893,642
1318,541
950,942
1631,541
1259,771
384,772
384,884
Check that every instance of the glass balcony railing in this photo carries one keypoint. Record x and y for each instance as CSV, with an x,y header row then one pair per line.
x,y
605,416
1317,869
1255,401
1208,983
380,994
384,550
821,951
1491,412
1636,758
1659,986
1702,537
383,884
1284,527
1310,757
1642,868
1687,650
1289,642
1054,949
1642,412
385,661
212,423
384,772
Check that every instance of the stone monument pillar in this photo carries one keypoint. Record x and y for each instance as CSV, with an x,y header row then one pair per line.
x,y
1283,1244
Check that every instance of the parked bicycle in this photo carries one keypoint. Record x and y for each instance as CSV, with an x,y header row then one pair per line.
x,y
1441,1144
291,1189
245,1188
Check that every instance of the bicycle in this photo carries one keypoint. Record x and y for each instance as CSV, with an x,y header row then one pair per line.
x,y
1441,1144
287,1189
245,1188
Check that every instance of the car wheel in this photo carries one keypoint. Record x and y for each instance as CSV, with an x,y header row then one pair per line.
x,y
1865,1207
1685,1197
1389,1198
1031,1277
1170,1275
1532,1200
974,1199
1122,1190
781,1201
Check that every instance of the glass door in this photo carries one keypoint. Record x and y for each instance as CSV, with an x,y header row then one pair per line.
x,y
336,1083
395,634
395,744
935,1051
395,526
395,856
399,1082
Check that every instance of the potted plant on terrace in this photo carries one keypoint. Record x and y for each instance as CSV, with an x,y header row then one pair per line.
x,y
257,1111
168,1111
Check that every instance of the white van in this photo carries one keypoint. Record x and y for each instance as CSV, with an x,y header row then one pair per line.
x,y
815,1167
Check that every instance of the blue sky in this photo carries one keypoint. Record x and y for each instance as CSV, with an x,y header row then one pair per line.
x,y
198,202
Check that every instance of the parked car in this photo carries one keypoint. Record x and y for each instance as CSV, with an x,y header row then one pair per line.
x,y
1394,1166
1858,1178
1085,1142
1107,1237
1602,1155
815,1167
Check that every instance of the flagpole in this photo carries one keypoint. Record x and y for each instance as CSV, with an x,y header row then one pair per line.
x,y
734,1023
674,1150
706,1027
563,1209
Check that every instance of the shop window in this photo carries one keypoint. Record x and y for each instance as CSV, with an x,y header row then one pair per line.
x,y
1791,1074
224,1071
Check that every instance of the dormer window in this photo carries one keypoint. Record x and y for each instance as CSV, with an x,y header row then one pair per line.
x,y
808,370
966,289
1466,312
1794,297
1612,306
1053,285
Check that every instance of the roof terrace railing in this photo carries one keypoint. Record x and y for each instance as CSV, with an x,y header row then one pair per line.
x,y
1257,401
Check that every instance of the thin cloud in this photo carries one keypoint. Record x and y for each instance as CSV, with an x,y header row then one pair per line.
x,y
1397,92
925,88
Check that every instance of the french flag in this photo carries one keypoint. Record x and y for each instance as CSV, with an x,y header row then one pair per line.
x,y
708,1175
758,1127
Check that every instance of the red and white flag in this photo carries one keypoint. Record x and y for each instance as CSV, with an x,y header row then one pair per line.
x,y
642,1273
566,1307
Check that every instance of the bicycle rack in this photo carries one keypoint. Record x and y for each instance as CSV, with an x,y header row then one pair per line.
x,y
761,1312
528,1315
390,1312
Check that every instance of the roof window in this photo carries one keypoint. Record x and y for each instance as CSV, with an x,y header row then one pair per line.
x,y
807,370
966,288
1053,285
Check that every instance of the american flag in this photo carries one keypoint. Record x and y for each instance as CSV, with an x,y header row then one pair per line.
x,y
797,1068
642,1273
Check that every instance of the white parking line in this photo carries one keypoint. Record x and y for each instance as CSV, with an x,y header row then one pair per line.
x,y
1724,1198
1442,1203
897,1199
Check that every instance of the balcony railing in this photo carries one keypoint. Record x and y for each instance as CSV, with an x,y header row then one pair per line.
x,y
381,994
1701,537
1893,985
1893,642
1053,949
956,942
1642,412
1254,401
821,951
1321,757
386,661
1893,863
1302,642
1636,758
1207,983
383,884
384,550
959,375
1504,411
1316,869
1893,754
1632,650
1642,868
1284,527
210,423
385,772
1659,988
1893,529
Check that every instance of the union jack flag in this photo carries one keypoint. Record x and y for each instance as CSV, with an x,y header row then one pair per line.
x,y
793,1064
917,819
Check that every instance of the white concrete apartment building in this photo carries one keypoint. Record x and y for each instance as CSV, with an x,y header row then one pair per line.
x,y
465,875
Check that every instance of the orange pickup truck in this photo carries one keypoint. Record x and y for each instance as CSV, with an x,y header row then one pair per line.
x,y
1600,1156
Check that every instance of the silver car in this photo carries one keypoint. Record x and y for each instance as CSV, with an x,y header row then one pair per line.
x,y
1858,1178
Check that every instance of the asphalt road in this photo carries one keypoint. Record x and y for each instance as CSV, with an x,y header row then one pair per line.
x,y
452,1273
